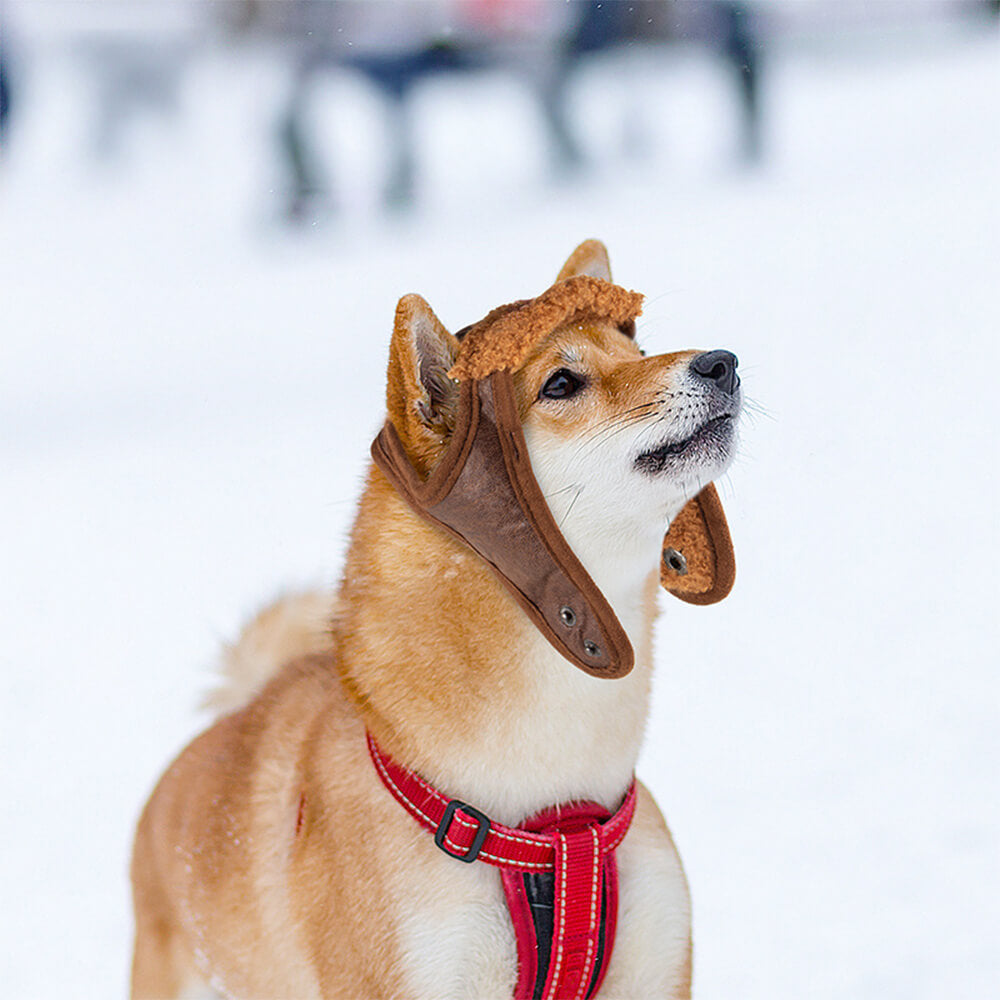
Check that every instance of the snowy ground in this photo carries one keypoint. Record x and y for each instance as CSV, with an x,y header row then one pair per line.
x,y
187,394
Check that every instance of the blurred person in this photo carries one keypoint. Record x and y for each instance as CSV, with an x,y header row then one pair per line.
x,y
392,44
132,80
540,43
5,90
732,29
396,46
727,27
740,47
4,93
136,58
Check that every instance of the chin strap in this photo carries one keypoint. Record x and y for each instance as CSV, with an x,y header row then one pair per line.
x,y
558,871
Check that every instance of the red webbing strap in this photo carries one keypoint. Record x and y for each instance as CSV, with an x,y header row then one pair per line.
x,y
575,844
576,913
524,933
502,846
610,917
584,899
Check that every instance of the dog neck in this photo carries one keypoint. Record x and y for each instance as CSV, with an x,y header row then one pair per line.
x,y
455,682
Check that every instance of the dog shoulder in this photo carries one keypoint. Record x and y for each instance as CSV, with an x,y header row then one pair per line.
x,y
652,954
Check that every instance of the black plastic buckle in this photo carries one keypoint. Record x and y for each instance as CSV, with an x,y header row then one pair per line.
x,y
477,842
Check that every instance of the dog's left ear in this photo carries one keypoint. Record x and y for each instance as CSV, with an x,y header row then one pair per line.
x,y
420,397
698,564
589,258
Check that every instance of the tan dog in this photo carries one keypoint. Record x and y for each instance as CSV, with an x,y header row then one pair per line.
x,y
272,862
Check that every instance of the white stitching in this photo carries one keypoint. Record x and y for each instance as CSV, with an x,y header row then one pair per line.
x,y
554,980
533,842
539,841
399,792
595,871
543,865
458,847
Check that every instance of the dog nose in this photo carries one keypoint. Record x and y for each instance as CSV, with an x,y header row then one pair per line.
x,y
718,367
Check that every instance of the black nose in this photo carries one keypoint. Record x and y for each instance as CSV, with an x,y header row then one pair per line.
x,y
718,367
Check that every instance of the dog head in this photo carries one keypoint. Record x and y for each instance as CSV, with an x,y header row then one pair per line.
x,y
618,444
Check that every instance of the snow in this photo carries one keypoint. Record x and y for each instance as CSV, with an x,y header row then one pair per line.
x,y
188,391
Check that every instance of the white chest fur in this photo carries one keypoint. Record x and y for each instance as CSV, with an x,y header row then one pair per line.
x,y
458,941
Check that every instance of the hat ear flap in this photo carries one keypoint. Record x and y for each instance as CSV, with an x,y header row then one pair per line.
x,y
698,564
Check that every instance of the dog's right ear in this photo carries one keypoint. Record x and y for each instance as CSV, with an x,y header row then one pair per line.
x,y
420,397
589,258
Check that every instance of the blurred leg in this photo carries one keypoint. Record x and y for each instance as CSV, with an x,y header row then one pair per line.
x,y
295,146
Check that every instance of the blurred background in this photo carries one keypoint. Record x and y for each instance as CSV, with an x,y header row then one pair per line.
x,y
207,213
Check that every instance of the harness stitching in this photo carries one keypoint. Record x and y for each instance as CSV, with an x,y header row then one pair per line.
x,y
451,843
588,961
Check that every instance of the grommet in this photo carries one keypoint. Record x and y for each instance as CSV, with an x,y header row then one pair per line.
x,y
568,616
675,561
591,648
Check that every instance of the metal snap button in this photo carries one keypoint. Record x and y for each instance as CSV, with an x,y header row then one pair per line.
x,y
675,561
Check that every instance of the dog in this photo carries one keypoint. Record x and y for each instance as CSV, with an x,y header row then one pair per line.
x,y
275,857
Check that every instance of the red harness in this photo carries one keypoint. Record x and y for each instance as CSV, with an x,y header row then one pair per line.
x,y
558,871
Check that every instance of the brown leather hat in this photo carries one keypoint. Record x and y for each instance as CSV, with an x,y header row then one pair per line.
x,y
483,490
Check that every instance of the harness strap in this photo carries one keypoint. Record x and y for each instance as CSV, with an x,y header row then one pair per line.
x,y
558,872
565,922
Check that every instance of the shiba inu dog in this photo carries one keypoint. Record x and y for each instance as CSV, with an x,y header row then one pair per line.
x,y
492,638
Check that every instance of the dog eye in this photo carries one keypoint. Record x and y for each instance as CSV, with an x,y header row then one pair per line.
x,y
562,384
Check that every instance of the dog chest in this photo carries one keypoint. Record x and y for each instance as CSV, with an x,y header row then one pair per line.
x,y
457,941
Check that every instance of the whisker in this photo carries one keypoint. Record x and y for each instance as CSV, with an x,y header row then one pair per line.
x,y
757,409
572,504
609,427
624,413
556,493
626,417
607,433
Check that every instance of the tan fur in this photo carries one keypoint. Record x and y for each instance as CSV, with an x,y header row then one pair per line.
x,y
270,860
420,422
589,258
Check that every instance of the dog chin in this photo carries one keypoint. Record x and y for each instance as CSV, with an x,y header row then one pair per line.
x,y
705,454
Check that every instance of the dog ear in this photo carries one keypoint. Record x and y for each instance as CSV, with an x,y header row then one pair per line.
x,y
698,564
420,397
589,258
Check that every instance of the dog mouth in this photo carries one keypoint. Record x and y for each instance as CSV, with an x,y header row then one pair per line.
x,y
712,440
